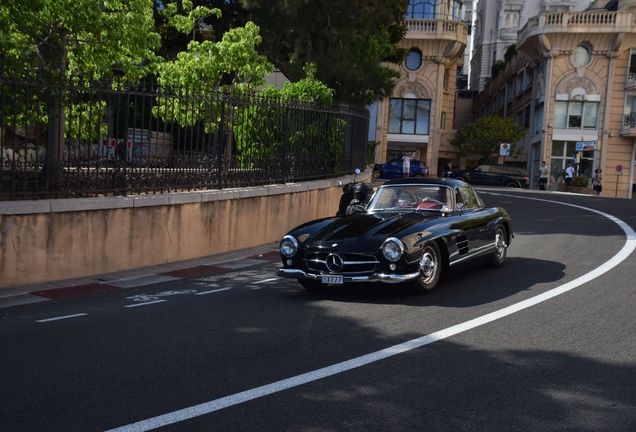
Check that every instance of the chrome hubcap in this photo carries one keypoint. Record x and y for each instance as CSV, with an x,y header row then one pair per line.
x,y
500,244
428,265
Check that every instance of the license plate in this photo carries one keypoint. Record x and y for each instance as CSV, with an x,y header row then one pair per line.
x,y
332,279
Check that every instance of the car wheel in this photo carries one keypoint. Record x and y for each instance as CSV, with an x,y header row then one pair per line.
x,y
418,175
499,256
311,285
429,269
512,185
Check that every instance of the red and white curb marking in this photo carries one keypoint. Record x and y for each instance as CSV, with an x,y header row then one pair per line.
x,y
136,281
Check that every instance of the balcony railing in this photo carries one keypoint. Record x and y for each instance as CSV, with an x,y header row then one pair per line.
x,y
567,21
438,27
629,121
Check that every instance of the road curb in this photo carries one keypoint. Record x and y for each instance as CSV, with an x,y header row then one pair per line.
x,y
199,267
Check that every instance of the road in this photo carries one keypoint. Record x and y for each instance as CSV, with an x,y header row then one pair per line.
x,y
544,343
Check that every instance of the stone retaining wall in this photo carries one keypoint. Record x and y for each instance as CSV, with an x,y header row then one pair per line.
x,y
45,241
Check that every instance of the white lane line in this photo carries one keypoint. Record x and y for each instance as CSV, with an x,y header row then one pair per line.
x,y
263,281
237,398
62,317
145,303
137,281
213,291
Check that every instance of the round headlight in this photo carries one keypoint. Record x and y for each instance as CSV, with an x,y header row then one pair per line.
x,y
392,249
288,246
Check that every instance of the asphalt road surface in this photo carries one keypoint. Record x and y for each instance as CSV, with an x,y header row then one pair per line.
x,y
547,342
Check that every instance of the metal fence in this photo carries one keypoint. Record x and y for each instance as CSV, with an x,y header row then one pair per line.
x,y
79,138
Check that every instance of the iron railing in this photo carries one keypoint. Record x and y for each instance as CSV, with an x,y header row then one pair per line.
x,y
79,138
629,121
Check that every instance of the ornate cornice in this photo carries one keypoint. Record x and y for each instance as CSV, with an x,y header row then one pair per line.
x,y
572,81
420,87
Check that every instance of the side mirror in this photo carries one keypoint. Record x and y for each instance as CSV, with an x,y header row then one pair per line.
x,y
445,211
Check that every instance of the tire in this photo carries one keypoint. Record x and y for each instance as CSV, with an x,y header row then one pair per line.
x,y
501,248
311,285
512,185
418,175
430,269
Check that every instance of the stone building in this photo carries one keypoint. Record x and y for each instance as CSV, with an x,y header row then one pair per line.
x,y
419,116
571,81
570,85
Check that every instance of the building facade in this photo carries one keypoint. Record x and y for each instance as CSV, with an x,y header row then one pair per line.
x,y
419,116
571,84
569,79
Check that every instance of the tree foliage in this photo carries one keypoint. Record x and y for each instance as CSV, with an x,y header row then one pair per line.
x,y
347,40
485,135
75,38
69,36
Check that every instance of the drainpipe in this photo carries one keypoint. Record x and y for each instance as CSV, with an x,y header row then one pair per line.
x,y
608,106
549,55
631,170
437,116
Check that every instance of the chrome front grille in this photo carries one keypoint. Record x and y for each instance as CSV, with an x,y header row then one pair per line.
x,y
341,263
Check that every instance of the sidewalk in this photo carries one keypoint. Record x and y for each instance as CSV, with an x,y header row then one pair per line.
x,y
138,277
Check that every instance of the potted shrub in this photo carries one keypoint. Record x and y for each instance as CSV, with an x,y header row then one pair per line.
x,y
581,184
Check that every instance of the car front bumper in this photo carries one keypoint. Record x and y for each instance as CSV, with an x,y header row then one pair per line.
x,y
376,277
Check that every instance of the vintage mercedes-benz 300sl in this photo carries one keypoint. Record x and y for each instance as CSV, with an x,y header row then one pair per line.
x,y
411,231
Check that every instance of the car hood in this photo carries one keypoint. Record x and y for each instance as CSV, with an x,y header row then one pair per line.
x,y
368,229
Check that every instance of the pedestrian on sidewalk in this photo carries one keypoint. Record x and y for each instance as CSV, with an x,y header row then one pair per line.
x,y
569,173
406,164
597,181
543,176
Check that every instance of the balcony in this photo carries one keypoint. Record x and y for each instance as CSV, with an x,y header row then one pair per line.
x,y
597,23
629,125
508,34
445,38
436,29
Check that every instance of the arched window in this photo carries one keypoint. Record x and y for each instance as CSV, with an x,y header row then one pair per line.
x,y
413,60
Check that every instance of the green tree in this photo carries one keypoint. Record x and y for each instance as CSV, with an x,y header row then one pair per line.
x,y
347,40
64,38
485,135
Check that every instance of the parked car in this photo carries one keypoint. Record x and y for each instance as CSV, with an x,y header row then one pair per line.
x,y
413,231
393,169
492,175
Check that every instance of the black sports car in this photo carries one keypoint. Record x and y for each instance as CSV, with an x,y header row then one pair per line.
x,y
412,231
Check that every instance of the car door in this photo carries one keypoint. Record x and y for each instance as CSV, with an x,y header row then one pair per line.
x,y
393,169
499,175
476,231
480,175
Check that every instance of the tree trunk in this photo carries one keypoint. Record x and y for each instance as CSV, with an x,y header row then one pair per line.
x,y
56,122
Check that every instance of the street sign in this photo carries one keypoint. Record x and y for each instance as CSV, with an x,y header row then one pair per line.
x,y
504,149
619,168
585,145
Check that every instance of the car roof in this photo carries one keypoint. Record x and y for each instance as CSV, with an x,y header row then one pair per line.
x,y
426,181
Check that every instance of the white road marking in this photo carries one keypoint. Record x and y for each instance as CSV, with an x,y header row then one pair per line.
x,y
213,291
145,303
246,262
62,317
237,398
263,281
137,281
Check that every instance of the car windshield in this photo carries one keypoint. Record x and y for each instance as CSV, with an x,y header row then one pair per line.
x,y
410,197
